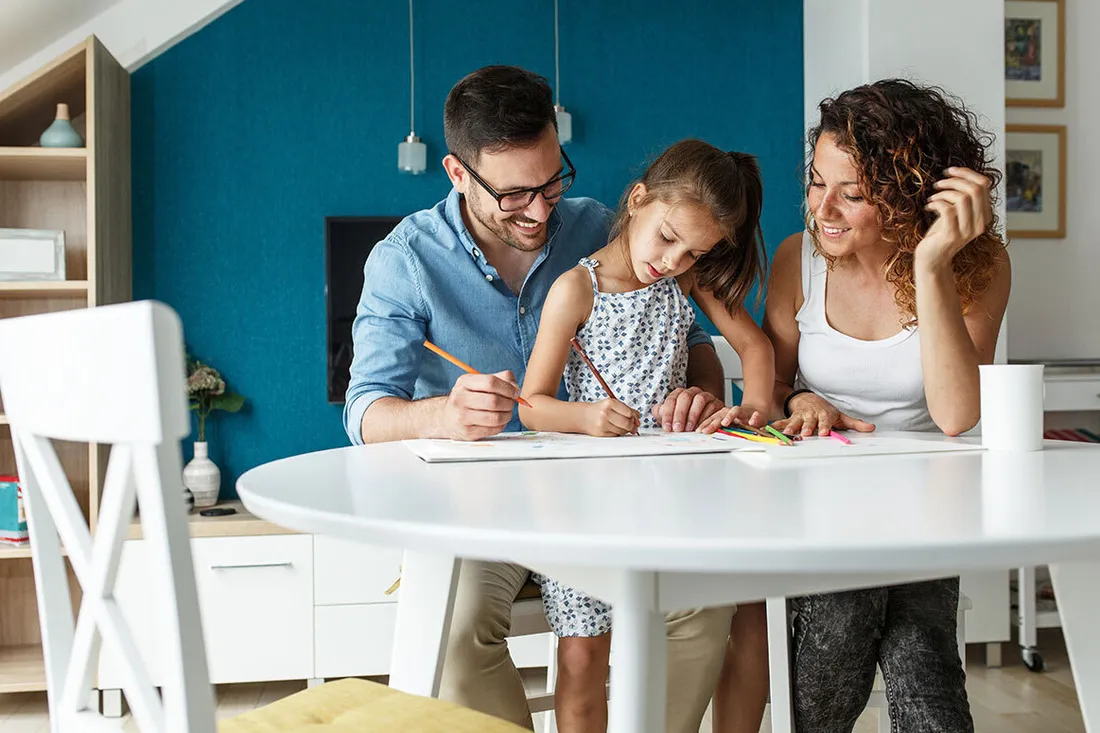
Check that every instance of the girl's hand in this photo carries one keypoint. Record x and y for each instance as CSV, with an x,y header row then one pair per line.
x,y
610,417
684,408
811,414
962,203
740,415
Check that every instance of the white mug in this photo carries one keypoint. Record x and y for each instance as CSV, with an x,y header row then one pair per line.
x,y
1012,406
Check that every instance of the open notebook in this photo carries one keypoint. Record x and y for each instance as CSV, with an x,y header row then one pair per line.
x,y
533,445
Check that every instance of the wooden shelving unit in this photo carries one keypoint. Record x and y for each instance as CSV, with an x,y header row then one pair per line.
x,y
43,164
86,193
22,668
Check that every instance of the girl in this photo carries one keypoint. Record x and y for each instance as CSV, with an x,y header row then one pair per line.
x,y
689,227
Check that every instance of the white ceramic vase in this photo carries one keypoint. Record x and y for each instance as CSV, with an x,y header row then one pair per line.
x,y
202,477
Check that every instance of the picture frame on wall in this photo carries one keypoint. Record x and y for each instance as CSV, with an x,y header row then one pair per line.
x,y
1035,53
1035,181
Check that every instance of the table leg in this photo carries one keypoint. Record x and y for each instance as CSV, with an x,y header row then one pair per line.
x,y
424,606
1078,595
640,654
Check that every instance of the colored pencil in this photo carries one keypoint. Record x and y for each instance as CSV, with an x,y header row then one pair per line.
x,y
595,372
463,366
834,434
750,436
779,435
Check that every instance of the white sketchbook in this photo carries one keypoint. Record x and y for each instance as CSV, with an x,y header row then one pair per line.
x,y
533,445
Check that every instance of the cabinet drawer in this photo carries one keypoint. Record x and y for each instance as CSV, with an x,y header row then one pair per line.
x,y
255,602
354,641
353,573
256,595
1072,395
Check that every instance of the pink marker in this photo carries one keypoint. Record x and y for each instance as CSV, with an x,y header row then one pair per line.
x,y
838,436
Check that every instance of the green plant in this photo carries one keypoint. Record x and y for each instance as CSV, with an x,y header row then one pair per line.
x,y
206,392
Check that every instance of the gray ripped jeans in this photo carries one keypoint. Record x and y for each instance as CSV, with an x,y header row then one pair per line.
x,y
909,630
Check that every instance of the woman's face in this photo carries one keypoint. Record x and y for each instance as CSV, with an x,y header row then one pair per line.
x,y
846,221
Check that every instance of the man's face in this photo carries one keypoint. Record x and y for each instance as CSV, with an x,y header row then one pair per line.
x,y
512,169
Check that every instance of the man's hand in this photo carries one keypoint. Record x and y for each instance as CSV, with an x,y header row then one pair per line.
x,y
684,409
479,405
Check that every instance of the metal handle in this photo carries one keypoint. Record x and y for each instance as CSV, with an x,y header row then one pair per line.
x,y
253,565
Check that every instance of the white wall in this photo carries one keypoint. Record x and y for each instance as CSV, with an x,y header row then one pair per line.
x,y
956,45
1054,312
134,31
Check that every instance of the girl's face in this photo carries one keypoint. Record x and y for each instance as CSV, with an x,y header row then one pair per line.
x,y
665,241
846,221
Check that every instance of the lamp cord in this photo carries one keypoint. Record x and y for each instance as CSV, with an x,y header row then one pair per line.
x,y
412,76
557,92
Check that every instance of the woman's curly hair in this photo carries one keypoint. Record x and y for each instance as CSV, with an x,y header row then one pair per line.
x,y
901,137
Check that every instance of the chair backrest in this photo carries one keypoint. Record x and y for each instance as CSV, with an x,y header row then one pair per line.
x,y
111,375
731,365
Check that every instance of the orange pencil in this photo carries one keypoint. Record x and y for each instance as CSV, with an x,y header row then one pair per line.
x,y
595,372
463,366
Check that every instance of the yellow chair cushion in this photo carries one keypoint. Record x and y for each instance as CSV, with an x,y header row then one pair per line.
x,y
359,706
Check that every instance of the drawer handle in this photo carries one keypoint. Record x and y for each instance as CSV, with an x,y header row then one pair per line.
x,y
253,565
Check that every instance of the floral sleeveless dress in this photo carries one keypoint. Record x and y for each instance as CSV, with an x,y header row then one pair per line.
x,y
638,342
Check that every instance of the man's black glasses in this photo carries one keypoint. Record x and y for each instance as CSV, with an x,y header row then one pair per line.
x,y
518,200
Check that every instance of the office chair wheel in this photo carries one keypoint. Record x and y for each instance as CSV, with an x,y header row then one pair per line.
x,y
1033,660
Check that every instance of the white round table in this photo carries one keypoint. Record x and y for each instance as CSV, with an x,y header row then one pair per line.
x,y
650,535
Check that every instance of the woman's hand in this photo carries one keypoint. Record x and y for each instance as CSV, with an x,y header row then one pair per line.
x,y
964,209
812,414
729,416
610,417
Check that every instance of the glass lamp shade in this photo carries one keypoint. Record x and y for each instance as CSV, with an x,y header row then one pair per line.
x,y
412,155
565,124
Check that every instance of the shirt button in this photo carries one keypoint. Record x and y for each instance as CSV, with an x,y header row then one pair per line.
x,y
477,253
522,310
489,278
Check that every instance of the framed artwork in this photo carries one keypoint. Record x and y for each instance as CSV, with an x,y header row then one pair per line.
x,y
1035,180
1035,53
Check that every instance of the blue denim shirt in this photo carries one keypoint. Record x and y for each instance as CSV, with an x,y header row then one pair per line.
x,y
428,280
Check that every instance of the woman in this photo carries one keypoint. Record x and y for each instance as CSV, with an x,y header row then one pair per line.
x,y
900,228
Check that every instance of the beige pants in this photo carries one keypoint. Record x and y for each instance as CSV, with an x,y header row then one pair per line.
x,y
478,671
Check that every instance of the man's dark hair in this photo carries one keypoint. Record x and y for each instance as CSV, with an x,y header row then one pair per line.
x,y
496,107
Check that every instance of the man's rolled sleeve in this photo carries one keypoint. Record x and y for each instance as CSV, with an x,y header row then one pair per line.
x,y
387,333
696,336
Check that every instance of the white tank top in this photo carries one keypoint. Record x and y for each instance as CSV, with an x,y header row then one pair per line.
x,y
878,381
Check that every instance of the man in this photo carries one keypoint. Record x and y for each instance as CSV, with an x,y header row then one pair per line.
x,y
471,275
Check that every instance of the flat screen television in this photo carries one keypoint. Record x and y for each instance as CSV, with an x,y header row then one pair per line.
x,y
348,241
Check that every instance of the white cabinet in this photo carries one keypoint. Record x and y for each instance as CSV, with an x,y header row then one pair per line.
x,y
255,602
354,640
1071,392
351,572
256,597
278,607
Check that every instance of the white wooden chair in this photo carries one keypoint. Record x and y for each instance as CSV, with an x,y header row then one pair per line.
x,y
115,375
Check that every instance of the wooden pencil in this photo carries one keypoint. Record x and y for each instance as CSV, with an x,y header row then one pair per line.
x,y
595,372
463,366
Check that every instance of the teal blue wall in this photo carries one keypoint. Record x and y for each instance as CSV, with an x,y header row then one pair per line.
x,y
281,112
